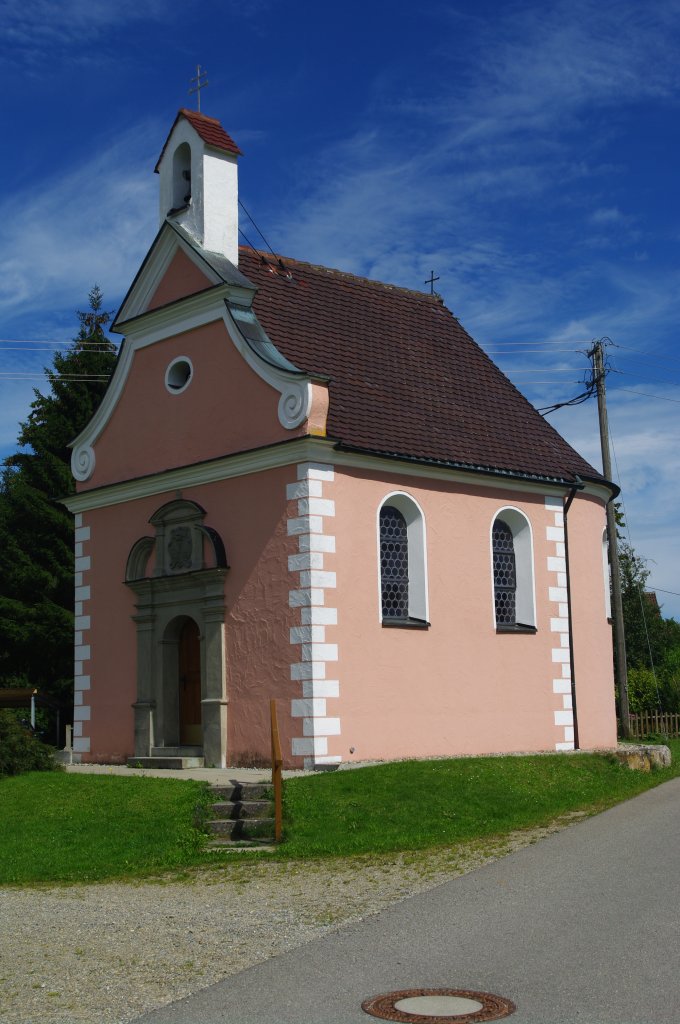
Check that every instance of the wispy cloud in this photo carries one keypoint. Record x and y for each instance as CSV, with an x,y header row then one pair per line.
x,y
93,224
606,216
647,467
462,179
34,28
37,30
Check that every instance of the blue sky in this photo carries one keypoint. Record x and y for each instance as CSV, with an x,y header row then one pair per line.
x,y
527,152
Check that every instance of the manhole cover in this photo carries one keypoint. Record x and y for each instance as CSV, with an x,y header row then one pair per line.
x,y
438,1006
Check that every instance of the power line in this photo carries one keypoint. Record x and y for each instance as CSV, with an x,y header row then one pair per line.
x,y
250,218
655,380
651,362
18,375
60,344
42,348
538,369
577,400
249,243
644,394
643,355
538,342
533,351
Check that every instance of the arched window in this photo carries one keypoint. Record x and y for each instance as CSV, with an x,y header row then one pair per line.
x,y
512,564
403,574
504,574
393,563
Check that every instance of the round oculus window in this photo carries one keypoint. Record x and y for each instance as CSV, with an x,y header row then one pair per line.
x,y
178,375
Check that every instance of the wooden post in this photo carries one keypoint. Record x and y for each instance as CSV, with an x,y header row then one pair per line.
x,y
596,355
277,781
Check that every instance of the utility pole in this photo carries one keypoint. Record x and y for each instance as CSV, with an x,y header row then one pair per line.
x,y
597,356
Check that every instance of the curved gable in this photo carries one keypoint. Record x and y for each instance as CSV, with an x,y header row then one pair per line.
x,y
222,408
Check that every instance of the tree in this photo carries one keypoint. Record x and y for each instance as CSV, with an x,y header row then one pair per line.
x,y
36,531
652,642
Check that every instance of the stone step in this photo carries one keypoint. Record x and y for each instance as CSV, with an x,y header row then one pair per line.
x,y
243,791
166,762
263,845
242,828
241,809
183,751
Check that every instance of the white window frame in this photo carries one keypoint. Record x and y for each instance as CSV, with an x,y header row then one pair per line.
x,y
184,361
416,535
523,543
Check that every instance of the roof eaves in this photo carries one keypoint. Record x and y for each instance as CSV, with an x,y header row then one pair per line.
x,y
468,467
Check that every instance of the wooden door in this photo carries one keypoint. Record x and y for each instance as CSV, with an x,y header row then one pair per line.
x,y
190,731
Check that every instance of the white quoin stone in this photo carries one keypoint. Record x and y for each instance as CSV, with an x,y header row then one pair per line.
x,y
211,215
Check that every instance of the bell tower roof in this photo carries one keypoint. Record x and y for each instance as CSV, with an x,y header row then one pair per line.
x,y
207,128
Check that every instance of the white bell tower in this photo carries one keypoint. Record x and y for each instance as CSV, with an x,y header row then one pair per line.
x,y
198,170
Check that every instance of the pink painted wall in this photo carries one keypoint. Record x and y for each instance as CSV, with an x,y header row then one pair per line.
x,y
592,632
182,278
249,514
459,687
226,408
111,637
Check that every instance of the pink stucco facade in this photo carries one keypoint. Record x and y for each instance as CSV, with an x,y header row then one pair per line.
x,y
456,687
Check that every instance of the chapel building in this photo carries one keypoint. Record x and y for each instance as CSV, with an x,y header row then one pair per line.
x,y
310,486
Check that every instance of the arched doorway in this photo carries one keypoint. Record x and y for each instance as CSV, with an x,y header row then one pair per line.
x,y
177,577
189,678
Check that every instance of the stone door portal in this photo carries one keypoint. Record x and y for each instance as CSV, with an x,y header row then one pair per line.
x,y
189,652
177,577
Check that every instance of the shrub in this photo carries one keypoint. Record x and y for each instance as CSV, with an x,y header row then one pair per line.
x,y
642,692
20,750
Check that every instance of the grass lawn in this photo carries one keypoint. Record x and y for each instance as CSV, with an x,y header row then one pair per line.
x,y
422,804
59,827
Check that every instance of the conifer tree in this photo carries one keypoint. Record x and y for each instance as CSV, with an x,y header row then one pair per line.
x,y
36,531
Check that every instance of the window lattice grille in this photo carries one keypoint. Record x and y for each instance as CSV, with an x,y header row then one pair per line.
x,y
504,574
393,563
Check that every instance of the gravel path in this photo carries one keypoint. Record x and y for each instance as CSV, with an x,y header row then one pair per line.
x,y
106,953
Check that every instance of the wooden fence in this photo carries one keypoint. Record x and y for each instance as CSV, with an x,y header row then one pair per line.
x,y
657,723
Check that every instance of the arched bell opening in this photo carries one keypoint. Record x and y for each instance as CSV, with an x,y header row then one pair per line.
x,y
181,176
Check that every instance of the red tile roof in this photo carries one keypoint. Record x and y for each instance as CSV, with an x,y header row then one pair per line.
x,y
405,378
209,129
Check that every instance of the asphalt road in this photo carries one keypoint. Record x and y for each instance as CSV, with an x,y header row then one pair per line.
x,y
581,928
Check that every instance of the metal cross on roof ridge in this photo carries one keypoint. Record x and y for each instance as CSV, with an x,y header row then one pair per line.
x,y
200,84
431,280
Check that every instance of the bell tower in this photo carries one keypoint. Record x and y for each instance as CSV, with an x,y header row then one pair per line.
x,y
198,170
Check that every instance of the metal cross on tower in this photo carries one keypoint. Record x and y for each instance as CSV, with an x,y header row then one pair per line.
x,y
431,280
201,82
